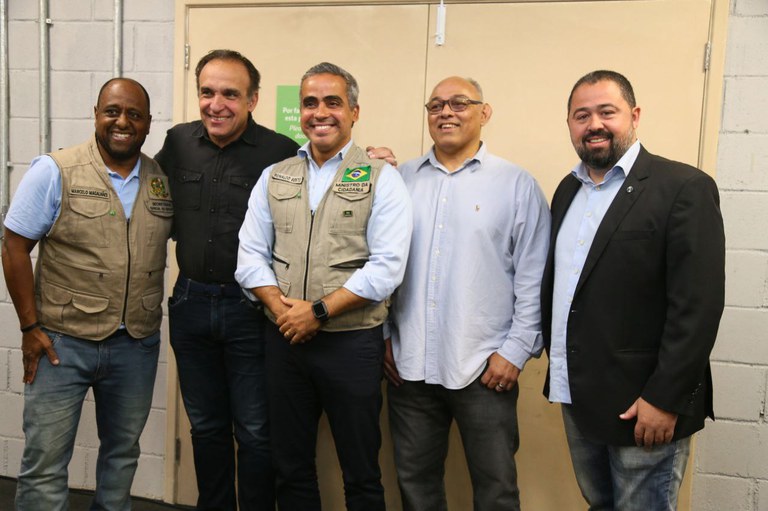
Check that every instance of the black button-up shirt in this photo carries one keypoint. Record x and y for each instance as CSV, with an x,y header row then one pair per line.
x,y
210,187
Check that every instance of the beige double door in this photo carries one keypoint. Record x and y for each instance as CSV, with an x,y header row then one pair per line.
x,y
526,56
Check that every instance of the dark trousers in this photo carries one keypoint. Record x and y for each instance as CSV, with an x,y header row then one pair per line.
x,y
420,417
339,373
217,337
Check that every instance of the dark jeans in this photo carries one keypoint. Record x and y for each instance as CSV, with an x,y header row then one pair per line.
x,y
420,417
339,372
217,337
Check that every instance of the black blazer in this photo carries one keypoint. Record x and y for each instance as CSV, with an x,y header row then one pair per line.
x,y
647,306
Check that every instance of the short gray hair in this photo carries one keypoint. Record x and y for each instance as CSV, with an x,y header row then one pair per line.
x,y
476,85
326,68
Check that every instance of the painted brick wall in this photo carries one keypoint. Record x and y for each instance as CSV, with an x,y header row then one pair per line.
x,y
81,42
731,466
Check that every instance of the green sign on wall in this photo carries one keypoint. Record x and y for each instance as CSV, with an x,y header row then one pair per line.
x,y
287,121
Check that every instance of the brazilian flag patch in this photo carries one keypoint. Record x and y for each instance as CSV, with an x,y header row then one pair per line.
x,y
357,175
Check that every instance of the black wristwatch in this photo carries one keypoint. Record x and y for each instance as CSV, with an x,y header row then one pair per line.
x,y
320,310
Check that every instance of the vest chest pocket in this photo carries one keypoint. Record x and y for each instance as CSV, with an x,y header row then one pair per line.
x,y
350,213
89,223
283,201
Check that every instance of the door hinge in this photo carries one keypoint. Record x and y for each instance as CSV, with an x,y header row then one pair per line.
x,y
186,56
178,450
707,55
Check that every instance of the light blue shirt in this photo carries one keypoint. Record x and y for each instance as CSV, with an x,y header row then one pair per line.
x,y
37,202
473,277
574,240
388,233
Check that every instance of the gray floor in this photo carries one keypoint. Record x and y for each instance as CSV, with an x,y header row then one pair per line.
x,y
79,500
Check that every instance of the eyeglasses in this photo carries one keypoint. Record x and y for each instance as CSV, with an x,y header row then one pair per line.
x,y
457,104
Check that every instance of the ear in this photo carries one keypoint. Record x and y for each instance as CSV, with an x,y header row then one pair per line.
x,y
636,117
485,114
253,101
355,113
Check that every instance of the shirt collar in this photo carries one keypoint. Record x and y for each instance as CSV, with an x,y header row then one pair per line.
x,y
304,152
622,167
134,173
249,136
474,163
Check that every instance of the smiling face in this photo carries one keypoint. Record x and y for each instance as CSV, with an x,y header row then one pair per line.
x,y
225,103
326,115
457,134
602,125
122,122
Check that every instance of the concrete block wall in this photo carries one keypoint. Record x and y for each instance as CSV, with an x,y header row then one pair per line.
x,y
81,60
731,464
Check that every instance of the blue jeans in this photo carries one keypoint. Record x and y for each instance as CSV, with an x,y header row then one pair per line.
x,y
121,371
626,478
217,337
420,417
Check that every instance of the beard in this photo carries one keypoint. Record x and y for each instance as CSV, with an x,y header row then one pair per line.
x,y
605,159
118,154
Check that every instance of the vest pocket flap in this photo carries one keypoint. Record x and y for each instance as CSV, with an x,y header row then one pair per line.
x,y
283,191
88,207
89,304
356,262
352,196
152,301
85,303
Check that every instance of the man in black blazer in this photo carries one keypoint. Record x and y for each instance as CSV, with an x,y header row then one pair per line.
x,y
632,296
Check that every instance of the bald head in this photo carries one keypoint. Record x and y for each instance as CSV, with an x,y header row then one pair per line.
x,y
123,80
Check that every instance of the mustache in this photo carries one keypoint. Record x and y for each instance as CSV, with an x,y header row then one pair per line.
x,y
597,133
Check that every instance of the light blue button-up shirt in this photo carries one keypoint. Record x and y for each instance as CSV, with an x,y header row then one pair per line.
x,y
388,232
473,276
574,240
37,202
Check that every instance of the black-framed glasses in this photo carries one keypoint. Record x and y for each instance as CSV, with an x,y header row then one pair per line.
x,y
457,104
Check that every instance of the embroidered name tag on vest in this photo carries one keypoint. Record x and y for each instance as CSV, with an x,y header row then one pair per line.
x,y
91,193
288,179
340,187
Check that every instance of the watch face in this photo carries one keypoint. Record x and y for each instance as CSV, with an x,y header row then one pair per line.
x,y
319,310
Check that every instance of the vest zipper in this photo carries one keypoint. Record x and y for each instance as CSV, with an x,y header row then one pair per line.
x,y
309,245
128,269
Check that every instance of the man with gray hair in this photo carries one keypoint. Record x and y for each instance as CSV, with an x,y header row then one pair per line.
x,y
323,245
462,332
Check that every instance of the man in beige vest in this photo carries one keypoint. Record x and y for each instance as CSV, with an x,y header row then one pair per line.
x,y
90,316
323,245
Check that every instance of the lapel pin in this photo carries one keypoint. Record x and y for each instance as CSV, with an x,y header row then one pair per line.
x,y
630,189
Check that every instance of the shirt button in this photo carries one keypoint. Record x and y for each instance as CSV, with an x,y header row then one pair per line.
x,y
440,226
210,270
210,241
588,215
215,180
575,271
598,188
212,210
581,242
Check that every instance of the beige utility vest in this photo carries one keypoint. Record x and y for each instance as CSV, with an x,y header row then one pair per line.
x,y
94,269
315,255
